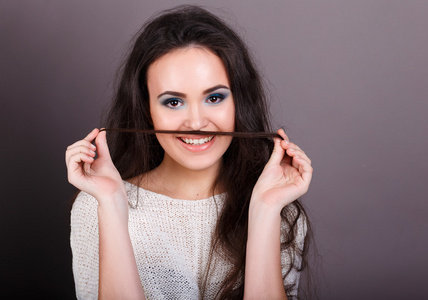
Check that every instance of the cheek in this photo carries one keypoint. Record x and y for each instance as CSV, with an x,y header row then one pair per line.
x,y
162,120
232,119
228,118
163,140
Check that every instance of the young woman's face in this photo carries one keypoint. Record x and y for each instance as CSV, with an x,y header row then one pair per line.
x,y
189,90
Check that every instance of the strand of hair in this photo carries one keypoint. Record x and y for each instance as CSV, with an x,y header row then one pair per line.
x,y
245,135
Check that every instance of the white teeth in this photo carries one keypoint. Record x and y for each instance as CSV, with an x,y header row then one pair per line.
x,y
197,141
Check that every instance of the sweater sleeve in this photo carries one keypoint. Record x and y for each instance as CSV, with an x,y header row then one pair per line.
x,y
84,246
290,257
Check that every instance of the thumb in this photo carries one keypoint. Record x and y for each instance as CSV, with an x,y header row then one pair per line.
x,y
102,147
277,153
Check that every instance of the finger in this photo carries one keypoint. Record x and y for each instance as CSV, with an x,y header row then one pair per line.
x,y
101,143
288,146
78,149
82,143
304,168
296,152
294,146
293,153
80,157
76,161
277,153
92,135
281,132
87,167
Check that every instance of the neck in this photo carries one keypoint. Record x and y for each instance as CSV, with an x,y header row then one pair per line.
x,y
175,181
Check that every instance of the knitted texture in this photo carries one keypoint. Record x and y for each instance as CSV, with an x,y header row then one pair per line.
x,y
171,239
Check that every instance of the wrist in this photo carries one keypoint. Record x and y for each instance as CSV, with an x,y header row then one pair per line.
x,y
263,219
112,206
262,207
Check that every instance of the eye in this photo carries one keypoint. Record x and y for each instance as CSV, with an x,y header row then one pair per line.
x,y
215,98
173,103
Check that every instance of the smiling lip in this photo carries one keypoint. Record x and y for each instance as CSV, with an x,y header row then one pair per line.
x,y
197,143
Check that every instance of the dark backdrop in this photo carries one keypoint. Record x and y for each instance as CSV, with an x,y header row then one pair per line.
x,y
348,79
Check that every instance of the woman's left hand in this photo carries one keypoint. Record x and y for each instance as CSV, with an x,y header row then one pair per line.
x,y
285,178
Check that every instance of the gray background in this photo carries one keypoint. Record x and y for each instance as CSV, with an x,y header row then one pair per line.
x,y
348,79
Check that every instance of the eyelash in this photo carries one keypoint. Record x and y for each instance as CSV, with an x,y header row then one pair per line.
x,y
178,102
168,102
220,97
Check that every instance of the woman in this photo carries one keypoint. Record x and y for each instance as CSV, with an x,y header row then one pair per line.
x,y
177,216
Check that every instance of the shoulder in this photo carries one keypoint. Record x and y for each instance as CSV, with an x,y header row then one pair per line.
x,y
86,202
84,199
84,245
84,206
83,218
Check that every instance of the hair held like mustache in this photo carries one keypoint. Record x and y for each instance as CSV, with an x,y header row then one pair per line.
x,y
242,135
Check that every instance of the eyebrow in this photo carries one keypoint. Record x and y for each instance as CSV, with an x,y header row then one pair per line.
x,y
207,91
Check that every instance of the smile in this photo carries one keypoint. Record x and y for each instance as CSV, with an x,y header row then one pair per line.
x,y
197,141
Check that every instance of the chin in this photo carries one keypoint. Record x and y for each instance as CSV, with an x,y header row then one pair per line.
x,y
199,157
199,164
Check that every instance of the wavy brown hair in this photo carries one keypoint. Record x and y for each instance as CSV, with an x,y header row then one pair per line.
x,y
134,154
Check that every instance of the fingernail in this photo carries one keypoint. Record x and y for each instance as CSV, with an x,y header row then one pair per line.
x,y
93,146
93,152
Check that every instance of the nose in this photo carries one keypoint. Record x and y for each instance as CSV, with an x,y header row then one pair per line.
x,y
196,118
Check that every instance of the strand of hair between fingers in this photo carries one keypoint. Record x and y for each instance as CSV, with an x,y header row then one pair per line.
x,y
245,135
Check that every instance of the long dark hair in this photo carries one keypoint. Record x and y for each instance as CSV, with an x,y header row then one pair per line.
x,y
134,154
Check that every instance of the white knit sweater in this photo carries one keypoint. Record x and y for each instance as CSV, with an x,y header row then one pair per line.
x,y
171,239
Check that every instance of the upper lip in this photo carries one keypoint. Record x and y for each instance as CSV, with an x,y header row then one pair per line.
x,y
194,137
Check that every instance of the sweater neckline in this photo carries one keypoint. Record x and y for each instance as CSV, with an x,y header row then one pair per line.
x,y
158,196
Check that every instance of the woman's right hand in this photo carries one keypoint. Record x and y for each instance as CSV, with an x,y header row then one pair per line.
x,y
117,268
97,177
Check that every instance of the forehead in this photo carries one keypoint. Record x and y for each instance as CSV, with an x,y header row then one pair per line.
x,y
186,68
